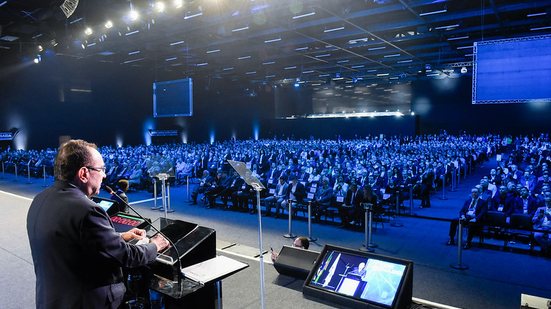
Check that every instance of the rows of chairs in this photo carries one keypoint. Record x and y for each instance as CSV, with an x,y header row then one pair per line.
x,y
516,228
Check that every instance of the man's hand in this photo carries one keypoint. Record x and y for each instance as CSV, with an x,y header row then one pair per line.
x,y
160,242
133,234
274,256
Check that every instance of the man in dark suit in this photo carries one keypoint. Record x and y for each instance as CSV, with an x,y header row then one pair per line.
x,y
505,201
276,197
77,254
296,192
471,214
527,204
542,222
351,203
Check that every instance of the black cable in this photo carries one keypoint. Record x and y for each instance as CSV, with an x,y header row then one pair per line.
x,y
179,270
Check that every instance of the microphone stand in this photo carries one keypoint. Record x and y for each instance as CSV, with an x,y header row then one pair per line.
x,y
179,276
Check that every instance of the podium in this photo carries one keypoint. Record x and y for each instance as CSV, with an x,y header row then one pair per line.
x,y
195,244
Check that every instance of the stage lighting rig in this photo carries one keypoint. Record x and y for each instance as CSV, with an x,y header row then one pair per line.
x,y
68,7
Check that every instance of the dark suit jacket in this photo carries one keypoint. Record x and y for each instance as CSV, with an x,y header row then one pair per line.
x,y
509,203
532,204
77,254
357,198
300,192
481,208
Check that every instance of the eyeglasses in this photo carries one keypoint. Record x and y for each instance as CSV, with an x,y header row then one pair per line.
x,y
97,169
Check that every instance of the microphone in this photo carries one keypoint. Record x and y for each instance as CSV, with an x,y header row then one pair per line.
x,y
179,265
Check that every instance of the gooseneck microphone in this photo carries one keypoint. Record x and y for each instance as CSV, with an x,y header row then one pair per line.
x,y
179,275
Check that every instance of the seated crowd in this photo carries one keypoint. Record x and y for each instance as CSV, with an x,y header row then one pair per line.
x,y
340,177
516,194
337,175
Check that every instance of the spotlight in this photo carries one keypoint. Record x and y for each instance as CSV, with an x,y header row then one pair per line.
x,y
178,3
37,59
463,70
88,31
108,24
133,15
68,7
40,48
160,6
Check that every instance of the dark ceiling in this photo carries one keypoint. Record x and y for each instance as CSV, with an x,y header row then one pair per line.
x,y
274,40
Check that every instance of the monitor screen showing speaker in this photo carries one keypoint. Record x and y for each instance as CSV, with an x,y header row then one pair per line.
x,y
359,279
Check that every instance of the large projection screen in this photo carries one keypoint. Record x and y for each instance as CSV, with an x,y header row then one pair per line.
x,y
514,70
173,98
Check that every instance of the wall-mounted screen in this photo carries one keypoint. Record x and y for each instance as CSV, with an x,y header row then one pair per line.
x,y
514,70
331,100
359,279
173,98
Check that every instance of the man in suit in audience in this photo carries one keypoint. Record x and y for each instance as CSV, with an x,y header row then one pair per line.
x,y
271,175
471,214
232,187
322,198
542,181
495,178
351,202
504,201
527,204
296,192
204,185
120,197
426,186
218,185
542,222
278,197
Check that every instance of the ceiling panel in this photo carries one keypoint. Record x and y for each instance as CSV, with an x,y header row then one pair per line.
x,y
273,40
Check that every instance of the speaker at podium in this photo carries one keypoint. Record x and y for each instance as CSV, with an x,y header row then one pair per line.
x,y
194,244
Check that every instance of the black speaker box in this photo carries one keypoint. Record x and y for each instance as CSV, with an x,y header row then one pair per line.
x,y
295,262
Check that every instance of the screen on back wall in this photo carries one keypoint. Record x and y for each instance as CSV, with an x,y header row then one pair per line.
x,y
173,98
512,71
332,99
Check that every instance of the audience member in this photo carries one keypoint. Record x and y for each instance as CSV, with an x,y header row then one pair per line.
x,y
299,242
471,214
120,195
542,222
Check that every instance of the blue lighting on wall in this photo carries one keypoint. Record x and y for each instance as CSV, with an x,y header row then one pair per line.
x,y
120,142
148,125
256,130
20,140
211,136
